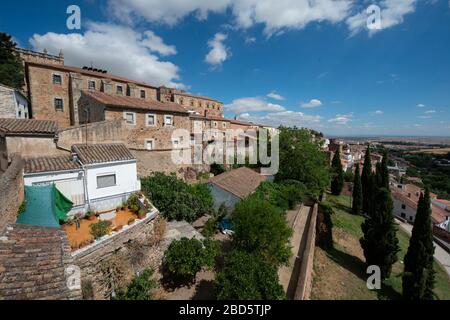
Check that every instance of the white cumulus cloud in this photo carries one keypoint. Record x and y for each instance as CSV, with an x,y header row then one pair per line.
x,y
314,103
377,113
252,104
342,119
219,52
120,50
275,96
285,118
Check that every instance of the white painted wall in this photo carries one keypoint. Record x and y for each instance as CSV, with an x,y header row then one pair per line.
x,y
22,106
409,212
126,179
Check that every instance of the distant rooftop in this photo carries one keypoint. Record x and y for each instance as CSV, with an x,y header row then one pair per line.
x,y
28,127
241,182
99,153
50,164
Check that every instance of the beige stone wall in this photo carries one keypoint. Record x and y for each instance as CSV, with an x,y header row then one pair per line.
x,y
11,192
202,106
32,147
7,103
38,57
140,132
99,132
43,92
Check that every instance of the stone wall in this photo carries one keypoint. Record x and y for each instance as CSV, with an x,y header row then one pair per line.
x,y
32,146
99,132
304,284
7,103
136,248
11,192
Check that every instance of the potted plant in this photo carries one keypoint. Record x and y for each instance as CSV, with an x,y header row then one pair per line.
x,y
90,215
141,214
124,205
100,229
131,221
118,228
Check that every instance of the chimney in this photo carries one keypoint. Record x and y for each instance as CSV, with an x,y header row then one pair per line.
x,y
74,157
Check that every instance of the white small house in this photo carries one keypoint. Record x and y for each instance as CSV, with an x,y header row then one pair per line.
x,y
97,177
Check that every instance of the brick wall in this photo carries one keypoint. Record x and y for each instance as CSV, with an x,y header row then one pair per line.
x,y
32,146
11,192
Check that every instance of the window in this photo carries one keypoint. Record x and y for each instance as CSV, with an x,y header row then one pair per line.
x,y
215,124
91,85
57,79
151,120
168,120
119,90
176,143
130,117
106,181
403,207
224,125
403,215
142,94
59,104
192,103
150,144
410,218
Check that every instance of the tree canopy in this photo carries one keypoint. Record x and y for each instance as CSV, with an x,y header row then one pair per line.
x,y
248,277
337,182
11,67
357,193
302,159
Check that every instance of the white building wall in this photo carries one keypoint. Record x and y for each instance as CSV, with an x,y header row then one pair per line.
x,y
407,213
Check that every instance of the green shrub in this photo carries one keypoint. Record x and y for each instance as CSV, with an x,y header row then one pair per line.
x,y
22,208
261,229
133,203
210,228
248,277
324,227
186,257
175,199
87,290
140,287
217,169
100,229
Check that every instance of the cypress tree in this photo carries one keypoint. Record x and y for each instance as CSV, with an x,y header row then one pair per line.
x,y
337,184
418,277
379,242
357,193
384,173
365,181
11,68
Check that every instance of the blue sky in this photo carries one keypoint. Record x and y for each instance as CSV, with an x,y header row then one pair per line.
x,y
278,62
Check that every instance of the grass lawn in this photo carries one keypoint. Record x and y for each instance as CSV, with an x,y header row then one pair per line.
x,y
339,272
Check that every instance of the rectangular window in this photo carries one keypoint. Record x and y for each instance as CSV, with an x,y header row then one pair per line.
x,y
150,144
403,206
224,125
130,117
57,79
142,94
119,90
176,143
168,120
215,124
59,104
91,85
106,181
151,120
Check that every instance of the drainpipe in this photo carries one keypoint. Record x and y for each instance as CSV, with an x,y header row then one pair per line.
x,y
86,192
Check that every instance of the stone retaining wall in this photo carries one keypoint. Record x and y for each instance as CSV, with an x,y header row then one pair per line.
x,y
11,192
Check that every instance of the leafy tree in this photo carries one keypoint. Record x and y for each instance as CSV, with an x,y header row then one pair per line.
x,y
366,181
140,287
337,183
248,277
261,229
379,242
302,159
11,67
418,278
357,193
324,226
177,200
284,195
186,257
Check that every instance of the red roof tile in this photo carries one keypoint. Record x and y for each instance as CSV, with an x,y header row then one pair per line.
x,y
240,182
98,153
28,126
48,164
134,103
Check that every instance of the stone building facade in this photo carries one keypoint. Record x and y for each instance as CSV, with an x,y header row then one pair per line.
x,y
13,104
54,89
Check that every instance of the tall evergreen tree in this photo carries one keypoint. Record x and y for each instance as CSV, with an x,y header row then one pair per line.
x,y
337,184
384,171
357,193
366,181
379,242
11,68
418,277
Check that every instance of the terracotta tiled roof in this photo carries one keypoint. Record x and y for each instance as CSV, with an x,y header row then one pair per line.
x,y
28,126
98,153
134,103
33,261
47,164
240,182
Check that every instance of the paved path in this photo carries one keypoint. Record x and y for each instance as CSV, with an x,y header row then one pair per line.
x,y
288,275
439,254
